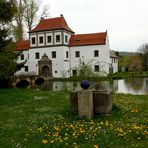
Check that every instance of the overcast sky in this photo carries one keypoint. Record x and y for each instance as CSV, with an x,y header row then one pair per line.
x,y
125,20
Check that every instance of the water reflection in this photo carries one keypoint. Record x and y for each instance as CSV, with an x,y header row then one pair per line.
x,y
131,86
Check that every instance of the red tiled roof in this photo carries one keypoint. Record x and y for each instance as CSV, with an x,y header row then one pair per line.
x,y
22,45
112,54
52,23
88,39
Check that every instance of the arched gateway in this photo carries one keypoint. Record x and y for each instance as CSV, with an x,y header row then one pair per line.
x,y
45,66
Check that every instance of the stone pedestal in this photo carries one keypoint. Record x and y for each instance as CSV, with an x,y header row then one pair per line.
x,y
102,102
85,104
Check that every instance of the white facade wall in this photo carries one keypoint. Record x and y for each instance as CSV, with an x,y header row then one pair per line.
x,y
87,56
25,54
60,64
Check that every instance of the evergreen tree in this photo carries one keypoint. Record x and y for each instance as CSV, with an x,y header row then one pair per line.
x,y
7,56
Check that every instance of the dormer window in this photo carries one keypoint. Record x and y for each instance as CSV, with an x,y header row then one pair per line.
x,y
57,38
33,40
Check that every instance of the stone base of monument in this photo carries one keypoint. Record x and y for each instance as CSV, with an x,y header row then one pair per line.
x,y
102,102
87,103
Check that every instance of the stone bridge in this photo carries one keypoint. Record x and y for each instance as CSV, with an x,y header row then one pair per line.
x,y
29,79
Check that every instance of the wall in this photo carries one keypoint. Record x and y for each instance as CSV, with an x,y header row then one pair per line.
x,y
87,56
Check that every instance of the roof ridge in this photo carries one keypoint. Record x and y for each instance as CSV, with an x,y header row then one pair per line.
x,y
90,33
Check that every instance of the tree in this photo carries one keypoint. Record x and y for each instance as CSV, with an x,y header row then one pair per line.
x,y
131,63
143,49
30,13
18,25
7,57
26,17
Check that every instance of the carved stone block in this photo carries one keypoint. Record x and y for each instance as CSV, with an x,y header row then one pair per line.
x,y
85,104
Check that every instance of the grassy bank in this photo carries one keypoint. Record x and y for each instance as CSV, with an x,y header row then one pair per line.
x,y
32,118
124,75
118,75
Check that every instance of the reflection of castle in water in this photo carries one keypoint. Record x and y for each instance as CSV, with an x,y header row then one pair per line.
x,y
132,86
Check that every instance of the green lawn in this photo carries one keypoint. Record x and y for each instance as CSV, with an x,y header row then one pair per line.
x,y
34,119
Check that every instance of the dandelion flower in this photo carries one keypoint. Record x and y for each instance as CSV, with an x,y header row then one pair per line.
x,y
44,141
96,146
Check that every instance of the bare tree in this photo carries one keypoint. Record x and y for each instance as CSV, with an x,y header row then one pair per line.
x,y
18,26
30,13
45,12
26,17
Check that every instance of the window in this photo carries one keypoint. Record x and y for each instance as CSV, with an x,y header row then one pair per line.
x,y
57,38
55,71
37,55
66,54
77,54
65,38
28,56
53,54
48,39
26,68
22,56
33,40
96,68
96,53
41,40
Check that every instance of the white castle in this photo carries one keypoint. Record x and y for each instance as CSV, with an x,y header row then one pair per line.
x,y
54,50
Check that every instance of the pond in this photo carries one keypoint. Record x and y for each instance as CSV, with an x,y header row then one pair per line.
x,y
137,86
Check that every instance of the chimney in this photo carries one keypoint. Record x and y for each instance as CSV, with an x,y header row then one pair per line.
x,y
61,15
42,18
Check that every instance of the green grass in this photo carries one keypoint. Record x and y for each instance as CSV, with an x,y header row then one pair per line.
x,y
124,75
34,119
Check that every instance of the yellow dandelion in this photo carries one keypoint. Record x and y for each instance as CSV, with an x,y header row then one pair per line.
x,y
66,138
101,123
56,128
52,141
44,141
40,129
60,140
96,146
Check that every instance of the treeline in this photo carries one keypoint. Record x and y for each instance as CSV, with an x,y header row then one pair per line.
x,y
134,62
